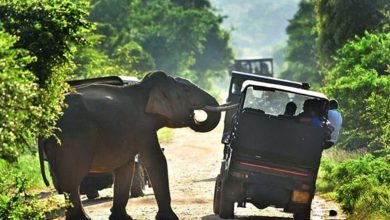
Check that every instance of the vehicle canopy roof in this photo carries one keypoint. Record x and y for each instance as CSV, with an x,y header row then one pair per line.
x,y
109,80
267,79
254,59
283,88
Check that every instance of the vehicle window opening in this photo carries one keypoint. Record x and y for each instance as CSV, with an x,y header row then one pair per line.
x,y
275,102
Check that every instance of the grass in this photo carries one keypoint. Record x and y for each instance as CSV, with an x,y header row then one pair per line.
x,y
165,134
330,158
28,166
358,180
339,155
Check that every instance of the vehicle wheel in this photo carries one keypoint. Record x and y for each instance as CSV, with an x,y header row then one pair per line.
x,y
92,194
226,204
217,195
138,185
302,215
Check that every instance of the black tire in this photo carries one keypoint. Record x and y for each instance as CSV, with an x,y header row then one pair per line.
x,y
93,194
217,195
302,215
138,185
226,204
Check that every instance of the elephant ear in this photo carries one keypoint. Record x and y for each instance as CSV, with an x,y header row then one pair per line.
x,y
159,103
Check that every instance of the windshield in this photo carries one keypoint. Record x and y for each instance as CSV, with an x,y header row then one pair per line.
x,y
274,102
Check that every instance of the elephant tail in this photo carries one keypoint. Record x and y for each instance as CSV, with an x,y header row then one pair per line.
x,y
41,150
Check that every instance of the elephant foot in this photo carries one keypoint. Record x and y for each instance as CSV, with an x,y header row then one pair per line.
x,y
120,216
166,215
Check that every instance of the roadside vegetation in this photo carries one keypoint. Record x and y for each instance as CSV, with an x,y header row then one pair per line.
x,y
45,42
343,47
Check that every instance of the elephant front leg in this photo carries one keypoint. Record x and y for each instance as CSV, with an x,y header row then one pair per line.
x,y
122,183
156,165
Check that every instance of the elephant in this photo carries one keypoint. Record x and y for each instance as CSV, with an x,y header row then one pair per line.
x,y
103,127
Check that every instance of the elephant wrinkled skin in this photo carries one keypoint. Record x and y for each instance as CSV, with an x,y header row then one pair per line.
x,y
104,127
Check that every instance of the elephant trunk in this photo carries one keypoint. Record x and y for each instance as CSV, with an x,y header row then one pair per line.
x,y
221,108
212,120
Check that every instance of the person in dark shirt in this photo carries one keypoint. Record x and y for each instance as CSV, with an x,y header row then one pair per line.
x,y
310,113
290,110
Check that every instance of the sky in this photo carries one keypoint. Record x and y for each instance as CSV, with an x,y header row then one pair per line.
x,y
258,26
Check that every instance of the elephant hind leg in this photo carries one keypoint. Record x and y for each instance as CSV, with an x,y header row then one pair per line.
x,y
122,182
76,211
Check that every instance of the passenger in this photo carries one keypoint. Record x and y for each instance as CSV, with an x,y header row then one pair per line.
x,y
307,109
264,69
290,110
310,113
335,120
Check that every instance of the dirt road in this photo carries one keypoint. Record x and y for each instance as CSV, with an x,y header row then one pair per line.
x,y
193,164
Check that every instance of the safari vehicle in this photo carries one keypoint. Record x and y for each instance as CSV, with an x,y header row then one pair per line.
x,y
270,159
97,181
235,87
257,66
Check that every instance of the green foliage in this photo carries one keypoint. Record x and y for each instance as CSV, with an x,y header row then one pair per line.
x,y
361,83
133,58
38,39
165,135
15,203
301,53
340,21
28,166
362,186
181,37
17,94
48,29
19,182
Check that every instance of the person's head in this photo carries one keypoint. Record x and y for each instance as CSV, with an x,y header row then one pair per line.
x,y
309,107
291,108
333,104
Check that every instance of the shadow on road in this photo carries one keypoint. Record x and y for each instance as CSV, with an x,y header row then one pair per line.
x,y
90,202
205,180
215,217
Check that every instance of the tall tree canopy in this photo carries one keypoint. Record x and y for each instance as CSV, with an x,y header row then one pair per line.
x,y
361,82
340,21
181,37
301,53
37,41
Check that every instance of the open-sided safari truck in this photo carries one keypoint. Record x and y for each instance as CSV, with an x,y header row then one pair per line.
x,y
256,66
270,159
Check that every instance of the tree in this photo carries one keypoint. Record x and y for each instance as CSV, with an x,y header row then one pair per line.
x,y
360,80
17,94
181,37
301,53
340,21
38,42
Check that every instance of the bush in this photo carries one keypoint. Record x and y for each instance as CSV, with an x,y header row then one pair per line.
x,y
362,186
37,42
15,203
360,80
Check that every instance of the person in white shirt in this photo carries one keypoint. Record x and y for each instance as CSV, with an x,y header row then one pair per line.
x,y
335,120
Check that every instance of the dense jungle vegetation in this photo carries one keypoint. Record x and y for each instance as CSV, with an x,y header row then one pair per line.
x,y
341,47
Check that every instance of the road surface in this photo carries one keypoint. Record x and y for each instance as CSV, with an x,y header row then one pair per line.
x,y
193,163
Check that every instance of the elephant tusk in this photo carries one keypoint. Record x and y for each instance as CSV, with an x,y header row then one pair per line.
x,y
220,108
